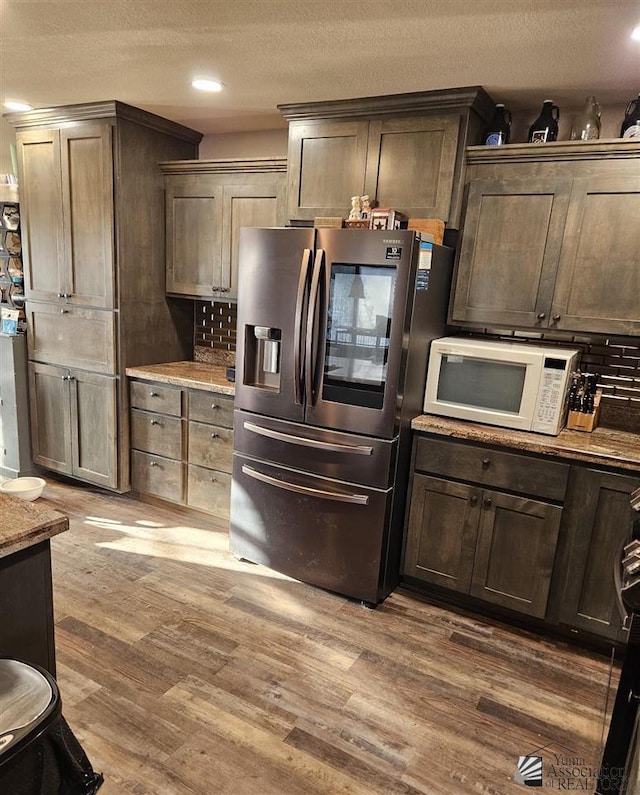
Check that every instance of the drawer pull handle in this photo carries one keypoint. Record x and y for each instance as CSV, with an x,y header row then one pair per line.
x,y
487,502
153,463
153,394
541,315
486,462
473,500
155,422
215,435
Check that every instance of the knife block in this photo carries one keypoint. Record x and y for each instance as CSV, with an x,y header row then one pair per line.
x,y
580,421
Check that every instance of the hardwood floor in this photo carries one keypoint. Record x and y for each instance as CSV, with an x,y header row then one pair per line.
x,y
184,671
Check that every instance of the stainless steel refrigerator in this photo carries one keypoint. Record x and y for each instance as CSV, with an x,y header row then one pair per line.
x,y
333,334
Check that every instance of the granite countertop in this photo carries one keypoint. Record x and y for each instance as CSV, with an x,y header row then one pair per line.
x,y
192,375
24,524
604,446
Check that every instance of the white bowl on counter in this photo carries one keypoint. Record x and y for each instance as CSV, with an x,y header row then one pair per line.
x,y
23,488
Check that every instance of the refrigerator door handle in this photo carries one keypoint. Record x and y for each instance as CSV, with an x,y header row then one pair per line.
x,y
297,334
310,359
358,499
335,447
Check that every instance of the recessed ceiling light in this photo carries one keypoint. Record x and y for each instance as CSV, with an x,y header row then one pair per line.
x,y
11,104
635,33
206,84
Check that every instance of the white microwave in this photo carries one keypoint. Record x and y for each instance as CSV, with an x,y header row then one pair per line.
x,y
500,383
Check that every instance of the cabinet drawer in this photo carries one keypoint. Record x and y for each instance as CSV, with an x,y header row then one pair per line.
x,y
210,446
211,407
71,337
209,490
156,433
512,471
150,396
161,477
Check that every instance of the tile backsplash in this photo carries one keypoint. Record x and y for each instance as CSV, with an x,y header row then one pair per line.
x,y
214,339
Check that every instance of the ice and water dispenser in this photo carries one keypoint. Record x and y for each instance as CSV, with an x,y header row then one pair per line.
x,y
262,357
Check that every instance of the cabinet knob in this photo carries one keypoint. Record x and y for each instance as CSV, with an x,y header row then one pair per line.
x,y
215,435
215,289
153,463
486,463
64,311
473,500
225,289
67,295
60,295
213,480
153,394
541,315
487,502
155,422
556,318
215,406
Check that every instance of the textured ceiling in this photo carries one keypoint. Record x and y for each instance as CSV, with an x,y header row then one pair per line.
x,y
267,52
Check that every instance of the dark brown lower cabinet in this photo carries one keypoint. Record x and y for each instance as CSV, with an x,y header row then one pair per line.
x,y
26,607
598,521
494,546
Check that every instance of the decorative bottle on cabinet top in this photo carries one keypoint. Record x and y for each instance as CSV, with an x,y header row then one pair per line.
x,y
586,125
497,133
545,127
631,124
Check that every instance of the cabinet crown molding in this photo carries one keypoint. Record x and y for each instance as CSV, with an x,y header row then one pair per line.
x,y
613,148
470,97
226,165
113,109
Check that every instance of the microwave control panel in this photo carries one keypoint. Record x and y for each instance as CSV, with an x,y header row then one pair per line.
x,y
552,396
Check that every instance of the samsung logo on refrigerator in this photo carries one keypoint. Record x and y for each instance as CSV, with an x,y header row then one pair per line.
x,y
392,242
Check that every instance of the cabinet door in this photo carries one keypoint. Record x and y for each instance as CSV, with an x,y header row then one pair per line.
x,y
194,234
411,164
598,285
87,214
260,204
510,250
93,428
326,166
598,519
441,532
41,211
50,417
516,549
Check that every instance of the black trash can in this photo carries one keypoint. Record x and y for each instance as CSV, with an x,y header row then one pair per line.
x,y
39,754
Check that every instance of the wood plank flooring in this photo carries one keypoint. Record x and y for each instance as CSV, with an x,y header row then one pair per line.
x,y
186,672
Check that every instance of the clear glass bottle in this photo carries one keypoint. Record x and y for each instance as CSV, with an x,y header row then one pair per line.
x,y
586,125
545,127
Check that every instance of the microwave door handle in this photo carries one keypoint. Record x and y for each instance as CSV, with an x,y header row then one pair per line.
x,y
310,359
298,321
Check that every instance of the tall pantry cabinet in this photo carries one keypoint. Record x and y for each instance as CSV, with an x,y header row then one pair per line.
x,y
92,204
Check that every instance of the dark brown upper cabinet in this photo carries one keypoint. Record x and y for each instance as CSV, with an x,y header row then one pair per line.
x,y
550,238
403,150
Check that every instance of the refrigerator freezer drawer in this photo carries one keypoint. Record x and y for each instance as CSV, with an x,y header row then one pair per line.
x,y
323,532
331,454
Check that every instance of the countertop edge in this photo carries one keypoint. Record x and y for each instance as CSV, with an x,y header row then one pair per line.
x,y
569,445
52,524
176,374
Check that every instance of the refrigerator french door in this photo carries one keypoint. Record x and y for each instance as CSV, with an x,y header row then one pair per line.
x,y
333,330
